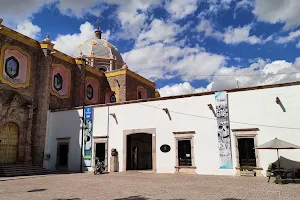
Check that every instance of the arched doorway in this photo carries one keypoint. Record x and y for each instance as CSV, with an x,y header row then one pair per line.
x,y
9,134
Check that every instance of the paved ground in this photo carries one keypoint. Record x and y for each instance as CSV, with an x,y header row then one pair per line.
x,y
144,186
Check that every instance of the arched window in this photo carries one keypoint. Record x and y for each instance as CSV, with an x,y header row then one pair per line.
x,y
141,93
102,69
90,92
110,97
113,98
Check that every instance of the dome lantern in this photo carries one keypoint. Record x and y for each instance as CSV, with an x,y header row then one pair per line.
x,y
98,33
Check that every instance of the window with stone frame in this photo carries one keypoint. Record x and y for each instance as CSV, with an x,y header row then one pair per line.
x,y
184,153
184,148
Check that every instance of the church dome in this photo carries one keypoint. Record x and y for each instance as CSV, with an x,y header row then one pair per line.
x,y
98,48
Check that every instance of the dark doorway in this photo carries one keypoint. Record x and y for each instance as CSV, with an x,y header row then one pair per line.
x,y
246,152
100,151
62,155
184,153
139,152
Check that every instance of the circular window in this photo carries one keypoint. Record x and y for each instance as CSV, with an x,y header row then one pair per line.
x,y
165,148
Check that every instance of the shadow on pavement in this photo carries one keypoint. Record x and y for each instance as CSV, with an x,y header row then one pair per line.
x,y
69,199
140,198
231,199
37,190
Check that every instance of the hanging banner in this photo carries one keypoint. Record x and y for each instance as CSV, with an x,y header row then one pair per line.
x,y
224,141
88,135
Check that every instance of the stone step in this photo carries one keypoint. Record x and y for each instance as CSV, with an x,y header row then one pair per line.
x,y
23,170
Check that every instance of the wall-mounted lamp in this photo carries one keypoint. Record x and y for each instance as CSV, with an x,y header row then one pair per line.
x,y
278,101
114,116
168,113
212,109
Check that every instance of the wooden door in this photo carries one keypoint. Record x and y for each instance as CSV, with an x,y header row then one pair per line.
x,y
9,134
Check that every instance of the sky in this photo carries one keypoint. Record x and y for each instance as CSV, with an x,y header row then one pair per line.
x,y
185,46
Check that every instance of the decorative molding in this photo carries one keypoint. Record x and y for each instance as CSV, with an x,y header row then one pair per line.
x,y
132,74
184,132
2,65
69,83
64,57
94,71
19,37
100,137
33,43
140,78
245,130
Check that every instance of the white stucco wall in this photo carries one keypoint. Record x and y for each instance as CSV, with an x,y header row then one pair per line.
x,y
252,107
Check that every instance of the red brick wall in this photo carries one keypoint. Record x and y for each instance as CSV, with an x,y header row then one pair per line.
x,y
131,88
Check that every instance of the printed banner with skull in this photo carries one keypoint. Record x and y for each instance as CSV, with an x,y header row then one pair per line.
x,y
224,141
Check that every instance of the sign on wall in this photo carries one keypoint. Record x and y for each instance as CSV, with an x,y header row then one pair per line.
x,y
88,135
224,141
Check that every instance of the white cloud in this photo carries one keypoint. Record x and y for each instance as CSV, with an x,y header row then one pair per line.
x,y
273,11
181,88
230,35
158,30
180,9
261,72
132,15
68,43
244,4
14,11
166,61
291,37
79,8
27,28
240,34
216,6
298,45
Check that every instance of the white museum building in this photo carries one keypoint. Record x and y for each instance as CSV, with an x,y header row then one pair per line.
x,y
211,133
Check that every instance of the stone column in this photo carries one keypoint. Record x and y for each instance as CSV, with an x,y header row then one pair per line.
x,y
27,149
114,161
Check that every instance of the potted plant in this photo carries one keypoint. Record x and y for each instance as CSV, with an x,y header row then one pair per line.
x,y
297,173
272,166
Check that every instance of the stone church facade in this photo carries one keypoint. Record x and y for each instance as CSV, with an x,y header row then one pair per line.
x,y
36,78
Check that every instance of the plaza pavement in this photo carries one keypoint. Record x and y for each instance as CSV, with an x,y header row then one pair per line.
x,y
144,186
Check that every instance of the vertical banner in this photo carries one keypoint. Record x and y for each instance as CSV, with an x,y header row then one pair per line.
x,y
224,141
88,135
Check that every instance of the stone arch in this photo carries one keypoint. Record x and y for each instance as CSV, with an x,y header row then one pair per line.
x,y
150,131
141,93
9,144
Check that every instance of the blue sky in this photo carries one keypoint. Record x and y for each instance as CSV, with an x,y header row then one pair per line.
x,y
185,46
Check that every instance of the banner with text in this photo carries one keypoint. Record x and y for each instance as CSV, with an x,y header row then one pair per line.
x,y
88,135
224,141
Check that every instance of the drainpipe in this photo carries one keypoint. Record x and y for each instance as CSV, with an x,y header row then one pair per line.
x,y
107,153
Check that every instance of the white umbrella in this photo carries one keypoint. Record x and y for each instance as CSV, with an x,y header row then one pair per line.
x,y
277,144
